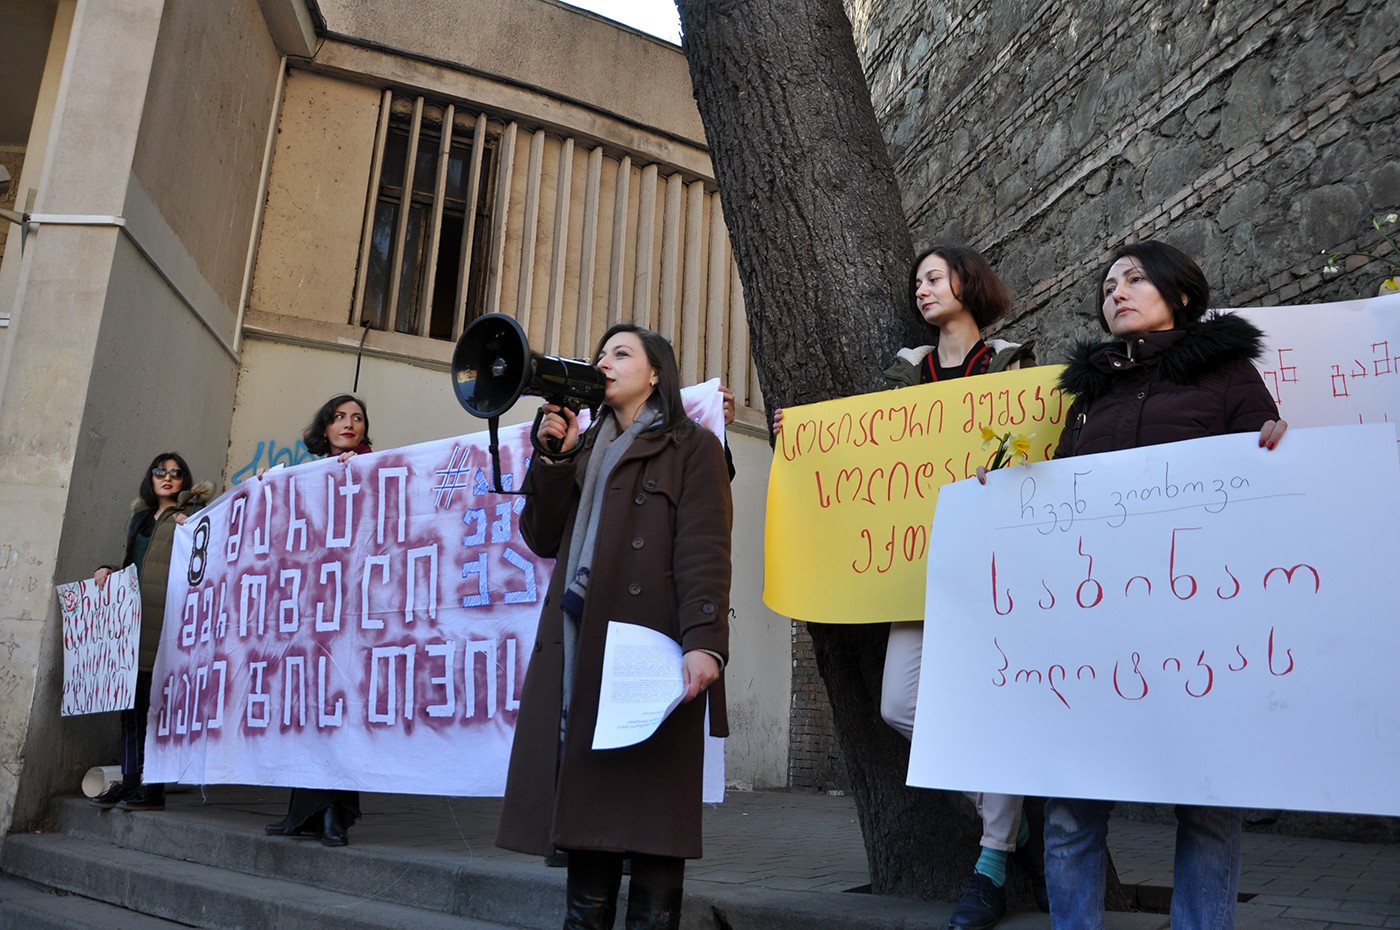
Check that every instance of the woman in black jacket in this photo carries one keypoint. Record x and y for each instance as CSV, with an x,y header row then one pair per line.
x,y
1171,372
167,496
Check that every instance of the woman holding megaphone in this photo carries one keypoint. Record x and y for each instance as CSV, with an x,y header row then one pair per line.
x,y
638,521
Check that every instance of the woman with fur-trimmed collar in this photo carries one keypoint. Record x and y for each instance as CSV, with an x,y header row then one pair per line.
x,y
1165,385
1171,372
167,496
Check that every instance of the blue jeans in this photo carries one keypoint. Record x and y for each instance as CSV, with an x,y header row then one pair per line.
x,y
1205,873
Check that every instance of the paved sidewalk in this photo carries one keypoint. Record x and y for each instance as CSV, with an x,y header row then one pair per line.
x,y
807,848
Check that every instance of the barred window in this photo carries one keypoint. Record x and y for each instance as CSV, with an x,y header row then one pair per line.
x,y
424,253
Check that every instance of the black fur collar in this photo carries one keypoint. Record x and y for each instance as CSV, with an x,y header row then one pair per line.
x,y
1181,356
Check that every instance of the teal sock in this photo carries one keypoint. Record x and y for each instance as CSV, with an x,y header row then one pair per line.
x,y
992,863
1023,835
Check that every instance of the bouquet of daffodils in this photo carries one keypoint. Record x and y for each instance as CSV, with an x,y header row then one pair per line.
x,y
1008,448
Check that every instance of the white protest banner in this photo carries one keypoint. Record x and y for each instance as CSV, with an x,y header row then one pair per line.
x,y
101,639
1200,622
1332,364
362,625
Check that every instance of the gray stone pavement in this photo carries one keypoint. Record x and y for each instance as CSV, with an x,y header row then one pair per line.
x,y
804,851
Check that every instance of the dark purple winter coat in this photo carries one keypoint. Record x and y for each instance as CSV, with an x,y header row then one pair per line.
x,y
1165,386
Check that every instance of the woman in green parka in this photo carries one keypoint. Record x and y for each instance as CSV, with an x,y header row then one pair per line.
x,y
168,495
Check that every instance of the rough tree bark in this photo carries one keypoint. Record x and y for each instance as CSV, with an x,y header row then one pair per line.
x,y
822,247
823,250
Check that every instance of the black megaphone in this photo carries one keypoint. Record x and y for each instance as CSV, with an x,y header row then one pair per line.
x,y
493,366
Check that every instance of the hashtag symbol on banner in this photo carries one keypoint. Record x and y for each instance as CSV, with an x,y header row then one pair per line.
x,y
452,478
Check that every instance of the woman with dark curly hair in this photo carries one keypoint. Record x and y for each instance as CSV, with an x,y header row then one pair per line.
x,y
167,496
340,428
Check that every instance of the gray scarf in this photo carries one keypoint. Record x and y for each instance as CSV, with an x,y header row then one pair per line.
x,y
608,448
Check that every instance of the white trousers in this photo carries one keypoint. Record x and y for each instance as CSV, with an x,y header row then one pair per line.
x,y
1000,813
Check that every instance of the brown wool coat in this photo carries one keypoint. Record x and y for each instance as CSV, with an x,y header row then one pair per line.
x,y
662,560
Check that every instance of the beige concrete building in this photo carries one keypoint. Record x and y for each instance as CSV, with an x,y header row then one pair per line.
x,y
231,211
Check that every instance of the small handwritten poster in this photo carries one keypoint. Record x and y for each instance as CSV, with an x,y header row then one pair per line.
x,y
101,636
1200,622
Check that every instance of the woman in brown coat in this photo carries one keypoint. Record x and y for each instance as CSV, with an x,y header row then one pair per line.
x,y
639,524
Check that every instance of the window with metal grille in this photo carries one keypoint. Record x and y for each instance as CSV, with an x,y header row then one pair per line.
x,y
424,250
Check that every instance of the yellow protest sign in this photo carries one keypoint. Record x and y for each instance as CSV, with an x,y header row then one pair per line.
x,y
854,481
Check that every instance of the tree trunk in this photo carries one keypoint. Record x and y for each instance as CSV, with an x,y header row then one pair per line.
x,y
823,250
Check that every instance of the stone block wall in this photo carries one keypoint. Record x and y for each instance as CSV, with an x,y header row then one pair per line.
x,y
1253,136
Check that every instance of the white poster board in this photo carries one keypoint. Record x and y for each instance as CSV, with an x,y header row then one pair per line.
x,y
1200,622
101,641
1332,364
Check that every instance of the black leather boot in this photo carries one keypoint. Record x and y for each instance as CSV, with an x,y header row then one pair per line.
x,y
592,897
288,826
116,792
333,829
653,908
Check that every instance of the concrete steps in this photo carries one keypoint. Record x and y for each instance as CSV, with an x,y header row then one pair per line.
x,y
25,906
413,862
180,869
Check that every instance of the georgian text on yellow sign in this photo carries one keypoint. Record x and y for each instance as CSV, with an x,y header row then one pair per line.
x,y
854,481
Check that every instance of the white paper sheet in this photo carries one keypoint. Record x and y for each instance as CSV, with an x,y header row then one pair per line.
x,y
642,684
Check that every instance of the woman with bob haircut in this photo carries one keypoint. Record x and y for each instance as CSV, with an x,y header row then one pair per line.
x,y
954,290
1172,371
638,521
166,497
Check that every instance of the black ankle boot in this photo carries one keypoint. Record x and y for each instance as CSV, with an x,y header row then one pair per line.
x,y
144,798
333,829
592,896
653,908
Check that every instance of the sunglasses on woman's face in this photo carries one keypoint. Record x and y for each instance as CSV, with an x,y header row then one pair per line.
x,y
174,473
